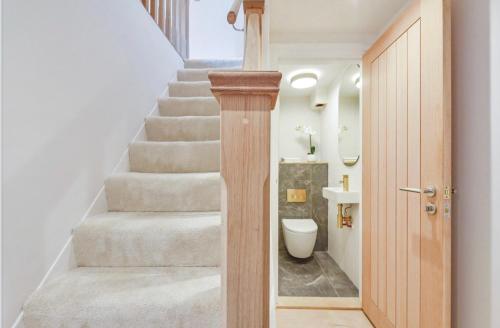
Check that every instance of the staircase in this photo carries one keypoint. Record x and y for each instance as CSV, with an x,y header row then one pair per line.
x,y
153,259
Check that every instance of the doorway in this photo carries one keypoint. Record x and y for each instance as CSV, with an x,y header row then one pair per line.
x,y
405,203
319,255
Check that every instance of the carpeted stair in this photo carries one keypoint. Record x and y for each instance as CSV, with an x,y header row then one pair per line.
x,y
153,259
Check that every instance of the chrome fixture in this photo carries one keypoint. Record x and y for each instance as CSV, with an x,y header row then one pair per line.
x,y
429,191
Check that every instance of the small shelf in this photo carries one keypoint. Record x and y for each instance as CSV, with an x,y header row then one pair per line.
x,y
339,196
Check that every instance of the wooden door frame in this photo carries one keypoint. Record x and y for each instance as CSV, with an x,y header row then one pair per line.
x,y
435,19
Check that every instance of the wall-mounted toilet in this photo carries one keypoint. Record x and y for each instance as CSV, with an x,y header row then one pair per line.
x,y
300,236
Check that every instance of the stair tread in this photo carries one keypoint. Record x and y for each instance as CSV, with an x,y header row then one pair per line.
x,y
191,83
175,156
200,74
190,89
188,106
149,239
183,128
128,297
159,192
213,63
188,99
175,143
164,176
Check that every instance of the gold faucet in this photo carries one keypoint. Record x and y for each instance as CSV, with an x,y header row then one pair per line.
x,y
345,182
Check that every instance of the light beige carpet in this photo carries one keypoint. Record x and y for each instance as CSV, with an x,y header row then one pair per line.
x,y
153,259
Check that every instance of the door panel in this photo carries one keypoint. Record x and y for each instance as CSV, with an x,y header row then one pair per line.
x,y
374,185
414,154
391,158
407,143
382,183
402,180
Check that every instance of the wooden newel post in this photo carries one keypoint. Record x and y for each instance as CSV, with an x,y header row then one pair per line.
x,y
246,100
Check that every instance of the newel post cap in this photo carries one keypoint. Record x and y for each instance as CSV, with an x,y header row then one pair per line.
x,y
248,83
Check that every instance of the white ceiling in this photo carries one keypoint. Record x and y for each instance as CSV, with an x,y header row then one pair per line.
x,y
302,21
324,36
327,72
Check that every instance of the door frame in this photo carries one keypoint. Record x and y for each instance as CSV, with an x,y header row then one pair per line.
x,y
435,291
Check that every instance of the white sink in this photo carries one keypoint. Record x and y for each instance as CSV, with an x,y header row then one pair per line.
x,y
341,197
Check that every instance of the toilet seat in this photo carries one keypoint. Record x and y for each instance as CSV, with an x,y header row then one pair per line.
x,y
300,225
300,236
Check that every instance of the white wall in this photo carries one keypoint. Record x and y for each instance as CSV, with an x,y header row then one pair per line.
x,y
476,231
210,35
296,111
78,79
495,160
1,168
344,245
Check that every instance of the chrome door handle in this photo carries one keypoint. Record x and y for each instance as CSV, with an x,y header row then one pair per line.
x,y
415,190
429,191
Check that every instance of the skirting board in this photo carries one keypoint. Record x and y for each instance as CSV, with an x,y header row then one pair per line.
x,y
65,261
319,303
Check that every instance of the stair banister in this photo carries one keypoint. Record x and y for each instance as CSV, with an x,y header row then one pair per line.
x,y
246,99
172,17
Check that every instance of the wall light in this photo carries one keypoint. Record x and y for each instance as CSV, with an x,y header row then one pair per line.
x,y
304,80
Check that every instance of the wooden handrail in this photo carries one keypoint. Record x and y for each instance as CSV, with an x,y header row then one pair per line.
x,y
232,15
246,99
172,17
254,10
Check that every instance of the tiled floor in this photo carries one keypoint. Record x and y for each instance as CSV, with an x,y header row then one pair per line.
x,y
318,276
321,319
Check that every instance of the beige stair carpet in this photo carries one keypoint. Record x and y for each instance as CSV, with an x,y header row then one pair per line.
x,y
153,259
176,157
190,89
183,128
163,192
199,74
213,63
188,106
148,239
168,297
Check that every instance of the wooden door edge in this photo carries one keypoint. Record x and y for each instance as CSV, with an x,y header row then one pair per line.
x,y
405,20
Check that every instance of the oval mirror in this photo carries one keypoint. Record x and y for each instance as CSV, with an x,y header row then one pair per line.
x,y
349,135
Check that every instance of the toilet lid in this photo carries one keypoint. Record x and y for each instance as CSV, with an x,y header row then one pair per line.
x,y
300,225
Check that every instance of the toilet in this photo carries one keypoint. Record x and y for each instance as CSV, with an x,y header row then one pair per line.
x,y
300,236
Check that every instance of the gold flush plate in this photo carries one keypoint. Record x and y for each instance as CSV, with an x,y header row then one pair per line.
x,y
296,195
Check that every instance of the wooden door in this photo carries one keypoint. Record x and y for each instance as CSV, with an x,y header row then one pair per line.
x,y
407,145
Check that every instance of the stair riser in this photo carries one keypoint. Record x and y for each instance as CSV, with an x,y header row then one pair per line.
x,y
175,107
192,75
128,298
190,89
199,74
151,242
183,129
216,63
175,157
157,194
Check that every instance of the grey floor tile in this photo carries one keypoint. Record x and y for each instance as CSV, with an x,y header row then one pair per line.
x,y
302,278
318,276
337,278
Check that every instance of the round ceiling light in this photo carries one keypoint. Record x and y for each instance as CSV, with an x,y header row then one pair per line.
x,y
304,80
